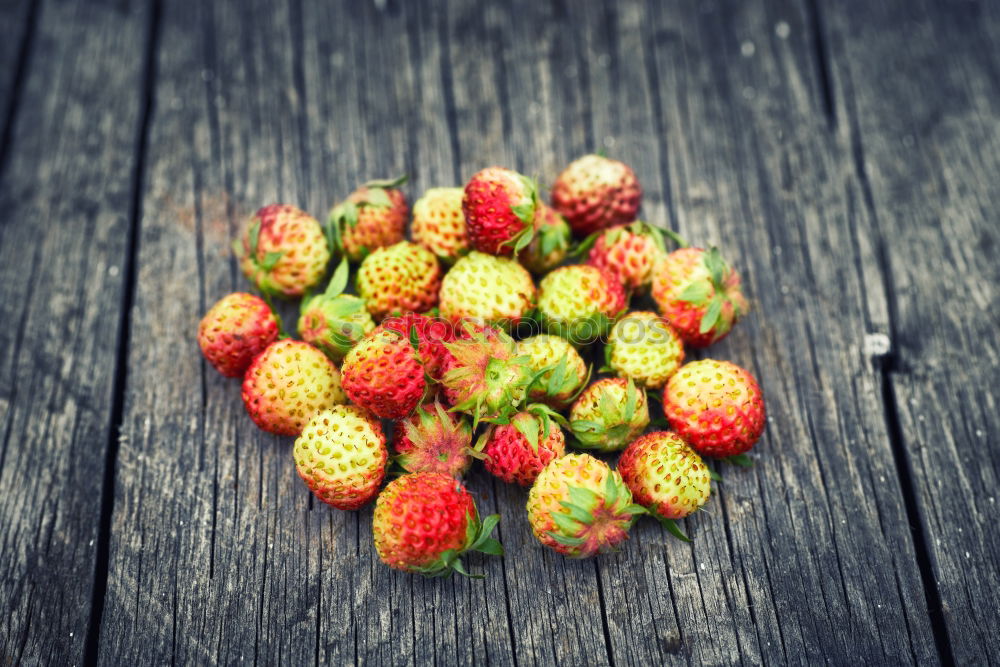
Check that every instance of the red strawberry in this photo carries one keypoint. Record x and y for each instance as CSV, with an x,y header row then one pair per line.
x,y
399,279
373,216
699,294
434,440
517,452
594,192
629,252
425,521
429,335
283,251
287,384
383,374
234,331
499,206
716,406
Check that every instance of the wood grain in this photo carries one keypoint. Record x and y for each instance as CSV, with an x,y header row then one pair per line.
x,y
918,85
66,194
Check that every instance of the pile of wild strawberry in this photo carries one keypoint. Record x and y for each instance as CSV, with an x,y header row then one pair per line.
x,y
450,340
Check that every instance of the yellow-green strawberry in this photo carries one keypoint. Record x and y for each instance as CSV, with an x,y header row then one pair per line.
x,y
643,347
517,452
288,383
373,216
283,251
699,294
665,476
499,207
595,192
484,376
580,507
402,278
629,252
434,440
560,370
580,302
235,330
609,414
341,456
716,406
332,321
486,289
439,224
424,522
550,243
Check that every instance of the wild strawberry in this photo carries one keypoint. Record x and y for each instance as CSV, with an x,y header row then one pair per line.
x,y
487,289
434,440
341,456
383,374
499,207
428,336
550,243
580,302
567,372
580,507
517,452
439,224
594,192
643,347
287,384
373,216
609,414
665,475
424,522
234,331
629,252
283,251
332,321
699,294
716,406
485,377
401,278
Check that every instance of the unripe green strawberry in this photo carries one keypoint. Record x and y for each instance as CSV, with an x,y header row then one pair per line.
x,y
595,192
579,507
567,372
580,302
550,244
499,207
629,252
665,475
699,294
517,452
383,374
434,440
234,331
486,289
609,414
287,384
401,278
716,406
439,224
643,347
425,521
283,251
341,456
485,377
373,216
332,321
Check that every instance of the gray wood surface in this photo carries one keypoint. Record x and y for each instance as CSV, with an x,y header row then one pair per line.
x,y
843,155
66,196
917,88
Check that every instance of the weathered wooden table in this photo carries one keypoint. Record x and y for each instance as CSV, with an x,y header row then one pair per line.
x,y
846,154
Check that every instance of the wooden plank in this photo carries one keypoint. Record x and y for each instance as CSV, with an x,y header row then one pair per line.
x,y
17,23
918,86
67,191
815,535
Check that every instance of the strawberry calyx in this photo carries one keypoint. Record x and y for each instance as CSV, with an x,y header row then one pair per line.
x,y
525,212
615,419
345,214
438,435
712,294
591,522
477,538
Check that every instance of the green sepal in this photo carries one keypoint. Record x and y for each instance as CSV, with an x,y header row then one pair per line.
x,y
577,513
565,522
386,184
631,399
582,497
529,429
564,540
675,237
674,530
586,244
716,477
712,314
338,283
696,293
377,197
254,234
741,460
